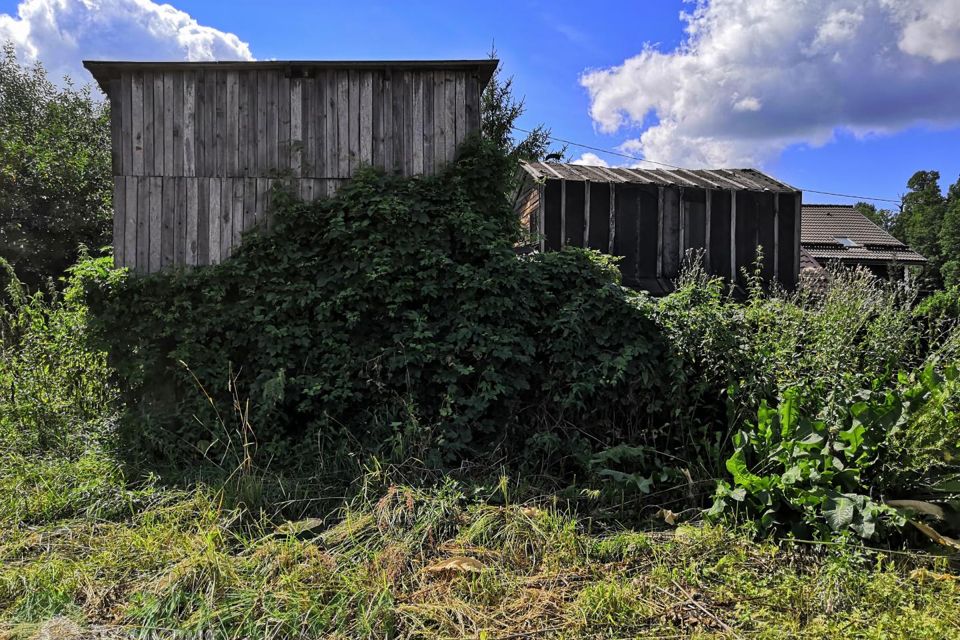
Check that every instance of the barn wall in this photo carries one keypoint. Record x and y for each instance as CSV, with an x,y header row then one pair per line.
x,y
195,152
655,229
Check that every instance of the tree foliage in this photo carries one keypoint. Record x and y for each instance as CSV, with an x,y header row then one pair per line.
x,y
55,187
929,222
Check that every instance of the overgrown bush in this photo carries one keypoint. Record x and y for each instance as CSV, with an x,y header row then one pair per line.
x,y
393,319
55,391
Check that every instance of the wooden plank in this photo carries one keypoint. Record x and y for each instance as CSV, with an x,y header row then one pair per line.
x,y
586,213
429,121
343,124
243,123
659,232
326,152
682,236
180,239
733,237
162,223
776,236
388,134
157,232
178,124
366,118
673,250
249,149
249,217
450,117
214,218
142,225
189,125
220,124
438,122
126,123
416,114
283,124
149,137
119,217
709,228
308,99
354,120
200,132
137,123
472,104
272,114
158,124
226,218
613,216
236,215
203,221
192,207
232,131
377,133
168,100
399,126
541,217
263,154
563,213
130,221
798,204
296,122
460,113
408,124
116,115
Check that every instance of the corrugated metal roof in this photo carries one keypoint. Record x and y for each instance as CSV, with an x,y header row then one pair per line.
x,y
103,70
822,224
729,179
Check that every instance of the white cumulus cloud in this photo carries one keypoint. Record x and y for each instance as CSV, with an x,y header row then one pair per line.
x,y
62,33
591,160
753,77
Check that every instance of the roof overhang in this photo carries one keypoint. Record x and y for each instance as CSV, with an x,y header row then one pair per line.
x,y
724,179
105,70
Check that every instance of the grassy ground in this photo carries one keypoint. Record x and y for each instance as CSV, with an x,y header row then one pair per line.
x,y
84,555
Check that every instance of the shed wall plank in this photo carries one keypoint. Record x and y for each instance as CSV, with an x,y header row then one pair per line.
x,y
119,217
189,124
137,123
192,205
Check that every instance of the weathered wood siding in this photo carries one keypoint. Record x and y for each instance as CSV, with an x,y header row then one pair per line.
x,y
655,228
196,152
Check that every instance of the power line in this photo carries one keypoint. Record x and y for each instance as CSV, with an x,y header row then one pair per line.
x,y
673,166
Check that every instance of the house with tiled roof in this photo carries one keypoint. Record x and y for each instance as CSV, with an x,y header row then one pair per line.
x,y
836,233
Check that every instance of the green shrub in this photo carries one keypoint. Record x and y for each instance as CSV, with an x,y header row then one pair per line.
x,y
55,392
810,476
393,319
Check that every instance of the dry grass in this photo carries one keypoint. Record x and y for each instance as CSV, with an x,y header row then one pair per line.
x,y
180,561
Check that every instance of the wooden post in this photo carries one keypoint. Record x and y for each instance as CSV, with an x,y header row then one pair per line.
x,y
659,232
682,241
798,200
613,217
541,217
706,243
733,237
586,214
776,236
563,213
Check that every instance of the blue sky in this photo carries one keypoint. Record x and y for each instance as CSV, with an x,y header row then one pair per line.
x,y
850,96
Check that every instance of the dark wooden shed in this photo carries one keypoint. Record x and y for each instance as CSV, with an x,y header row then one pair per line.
x,y
198,145
655,219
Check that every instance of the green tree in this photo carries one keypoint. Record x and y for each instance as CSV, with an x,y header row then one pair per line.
x,y
55,187
883,218
920,221
950,237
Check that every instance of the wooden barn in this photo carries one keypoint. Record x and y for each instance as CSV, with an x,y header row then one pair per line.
x,y
198,145
655,219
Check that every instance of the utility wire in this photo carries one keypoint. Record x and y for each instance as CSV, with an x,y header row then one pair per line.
x,y
673,166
